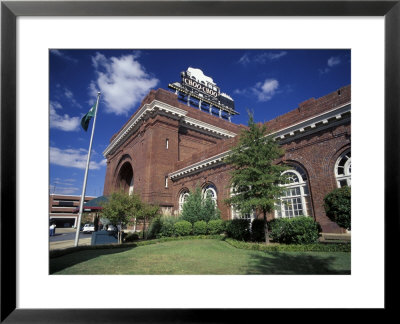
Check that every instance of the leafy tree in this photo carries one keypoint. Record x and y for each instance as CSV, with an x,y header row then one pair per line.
x,y
208,210
121,208
146,213
255,177
338,206
192,206
199,208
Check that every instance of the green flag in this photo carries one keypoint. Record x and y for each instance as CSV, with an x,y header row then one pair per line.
x,y
85,119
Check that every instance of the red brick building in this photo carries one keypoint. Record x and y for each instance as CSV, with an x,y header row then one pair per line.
x,y
166,148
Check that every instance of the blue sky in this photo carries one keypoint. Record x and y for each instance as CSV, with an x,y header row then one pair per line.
x,y
268,82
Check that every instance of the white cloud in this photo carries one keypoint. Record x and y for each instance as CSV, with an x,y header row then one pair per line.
x,y
74,158
63,187
63,55
269,56
245,59
332,61
123,82
70,96
265,90
63,190
261,58
62,122
69,180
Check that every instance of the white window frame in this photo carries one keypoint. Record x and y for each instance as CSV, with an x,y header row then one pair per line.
x,y
236,214
182,199
301,184
347,169
213,189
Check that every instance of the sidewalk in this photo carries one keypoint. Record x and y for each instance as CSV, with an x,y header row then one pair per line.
x,y
335,238
70,243
62,230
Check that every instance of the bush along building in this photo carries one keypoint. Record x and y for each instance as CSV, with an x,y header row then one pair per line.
x,y
177,141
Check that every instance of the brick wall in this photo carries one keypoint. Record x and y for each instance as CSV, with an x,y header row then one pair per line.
x,y
151,162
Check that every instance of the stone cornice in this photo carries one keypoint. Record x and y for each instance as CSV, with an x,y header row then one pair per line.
x,y
199,166
163,108
208,127
306,127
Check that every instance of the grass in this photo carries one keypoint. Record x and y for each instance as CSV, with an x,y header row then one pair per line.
x,y
203,256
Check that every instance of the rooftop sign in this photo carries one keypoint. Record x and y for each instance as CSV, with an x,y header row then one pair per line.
x,y
197,86
198,89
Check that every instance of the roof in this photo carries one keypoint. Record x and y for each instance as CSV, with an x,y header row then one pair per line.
x,y
94,204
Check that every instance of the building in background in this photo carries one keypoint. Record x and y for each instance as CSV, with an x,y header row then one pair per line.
x,y
63,209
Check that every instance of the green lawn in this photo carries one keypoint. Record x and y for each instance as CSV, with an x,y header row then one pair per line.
x,y
204,256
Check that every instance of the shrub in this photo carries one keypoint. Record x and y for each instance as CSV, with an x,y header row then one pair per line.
x,y
238,229
192,207
208,210
154,228
338,206
257,230
167,226
315,247
130,237
183,228
196,208
200,228
215,226
297,230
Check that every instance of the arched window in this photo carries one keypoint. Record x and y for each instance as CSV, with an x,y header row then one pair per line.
x,y
182,199
295,200
237,214
210,191
343,170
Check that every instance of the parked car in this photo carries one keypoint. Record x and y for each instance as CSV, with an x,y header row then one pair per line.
x,y
88,228
112,228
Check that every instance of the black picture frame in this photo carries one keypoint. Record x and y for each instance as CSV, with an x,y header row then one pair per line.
x,y
10,10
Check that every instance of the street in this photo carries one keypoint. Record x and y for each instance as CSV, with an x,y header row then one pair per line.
x,y
67,236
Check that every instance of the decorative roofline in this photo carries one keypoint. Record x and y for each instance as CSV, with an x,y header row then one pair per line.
x,y
211,128
199,166
311,123
316,123
157,105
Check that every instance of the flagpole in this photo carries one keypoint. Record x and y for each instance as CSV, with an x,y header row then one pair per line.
x,y
86,173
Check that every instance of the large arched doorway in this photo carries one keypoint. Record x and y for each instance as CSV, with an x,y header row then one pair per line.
x,y
125,178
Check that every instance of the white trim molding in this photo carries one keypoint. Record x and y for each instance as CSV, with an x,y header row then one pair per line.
x,y
208,127
199,166
163,108
326,119
303,128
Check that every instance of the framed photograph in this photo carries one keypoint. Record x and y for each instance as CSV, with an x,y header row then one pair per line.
x,y
369,30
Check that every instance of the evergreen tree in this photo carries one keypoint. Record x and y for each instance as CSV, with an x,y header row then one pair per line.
x,y
199,208
192,207
255,177
208,210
